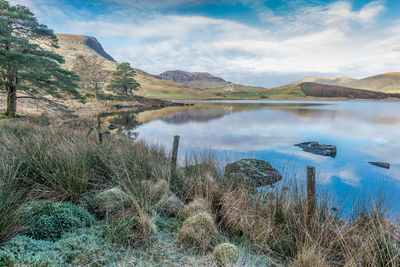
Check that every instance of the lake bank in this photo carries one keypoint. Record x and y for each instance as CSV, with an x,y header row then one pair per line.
x,y
268,229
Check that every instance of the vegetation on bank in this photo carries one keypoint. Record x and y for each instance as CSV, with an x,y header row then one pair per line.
x,y
65,200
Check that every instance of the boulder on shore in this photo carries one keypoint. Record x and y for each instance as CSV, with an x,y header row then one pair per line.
x,y
316,148
380,164
253,171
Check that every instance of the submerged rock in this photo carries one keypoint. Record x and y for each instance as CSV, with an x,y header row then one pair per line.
x,y
112,127
254,171
316,148
380,164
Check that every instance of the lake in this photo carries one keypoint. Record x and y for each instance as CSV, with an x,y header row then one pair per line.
x,y
363,131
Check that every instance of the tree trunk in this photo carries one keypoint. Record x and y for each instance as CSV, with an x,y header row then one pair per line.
x,y
11,101
96,88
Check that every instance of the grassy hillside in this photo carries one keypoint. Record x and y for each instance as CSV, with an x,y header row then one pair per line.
x,y
322,90
387,82
72,46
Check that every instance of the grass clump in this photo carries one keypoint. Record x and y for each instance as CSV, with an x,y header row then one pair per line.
x,y
226,254
195,207
11,198
45,220
132,231
109,202
198,232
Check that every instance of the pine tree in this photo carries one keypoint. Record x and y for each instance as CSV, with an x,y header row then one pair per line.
x,y
26,67
123,80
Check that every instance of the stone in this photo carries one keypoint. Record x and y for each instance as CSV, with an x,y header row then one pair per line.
x,y
253,171
380,164
170,205
316,148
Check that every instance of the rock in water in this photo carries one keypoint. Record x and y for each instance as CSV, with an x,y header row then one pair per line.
x,y
316,148
254,171
380,164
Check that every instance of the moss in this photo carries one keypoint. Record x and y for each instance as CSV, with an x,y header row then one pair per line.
x,y
198,232
226,254
195,207
49,221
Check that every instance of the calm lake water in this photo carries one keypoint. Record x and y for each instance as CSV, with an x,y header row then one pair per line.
x,y
268,130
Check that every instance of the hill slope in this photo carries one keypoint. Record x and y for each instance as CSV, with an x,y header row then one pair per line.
x,y
71,46
323,90
202,80
386,82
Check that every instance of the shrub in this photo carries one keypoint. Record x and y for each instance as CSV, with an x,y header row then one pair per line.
x,y
130,231
199,232
226,254
89,247
6,258
48,221
195,207
25,251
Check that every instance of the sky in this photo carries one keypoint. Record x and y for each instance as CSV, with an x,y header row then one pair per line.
x,y
264,43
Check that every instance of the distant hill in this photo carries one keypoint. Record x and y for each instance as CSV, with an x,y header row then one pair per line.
x,y
201,80
387,82
323,90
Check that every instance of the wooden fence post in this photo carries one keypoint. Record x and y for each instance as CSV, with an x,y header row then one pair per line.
x,y
100,138
311,193
175,153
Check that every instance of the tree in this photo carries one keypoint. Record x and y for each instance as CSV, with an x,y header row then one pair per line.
x,y
92,73
123,80
24,65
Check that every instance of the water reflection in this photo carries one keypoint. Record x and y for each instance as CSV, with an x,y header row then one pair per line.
x,y
362,132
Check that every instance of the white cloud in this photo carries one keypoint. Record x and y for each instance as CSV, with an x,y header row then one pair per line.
x,y
330,39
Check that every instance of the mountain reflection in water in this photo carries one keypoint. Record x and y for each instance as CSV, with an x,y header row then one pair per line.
x,y
362,132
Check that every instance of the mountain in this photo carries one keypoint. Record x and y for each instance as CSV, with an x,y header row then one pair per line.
x,y
201,80
71,46
386,82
